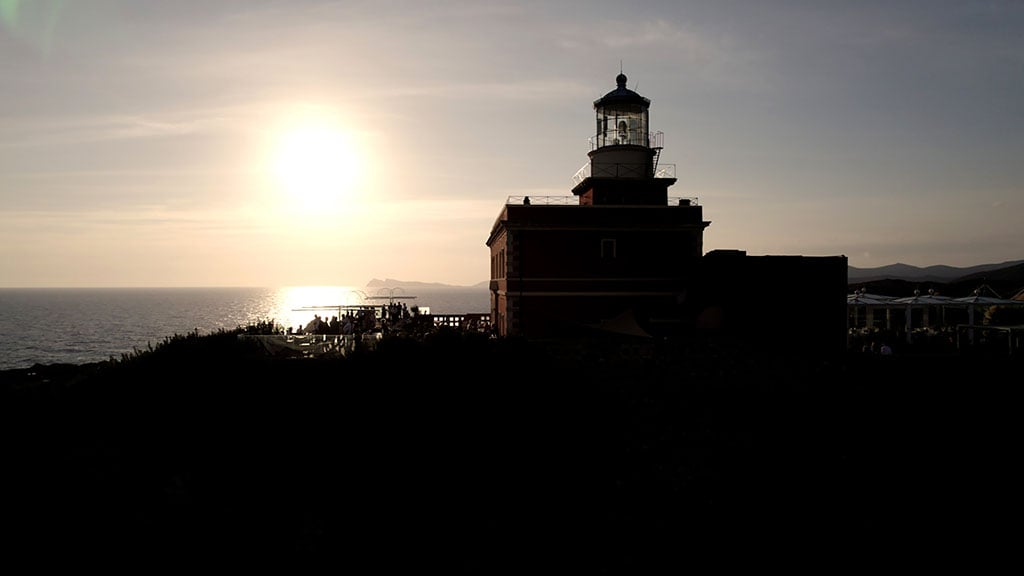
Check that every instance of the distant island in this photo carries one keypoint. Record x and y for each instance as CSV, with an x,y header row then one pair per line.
x,y
392,283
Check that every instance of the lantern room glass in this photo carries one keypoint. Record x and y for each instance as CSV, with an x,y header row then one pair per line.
x,y
622,124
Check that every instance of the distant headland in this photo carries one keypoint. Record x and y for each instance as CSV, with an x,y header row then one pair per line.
x,y
392,283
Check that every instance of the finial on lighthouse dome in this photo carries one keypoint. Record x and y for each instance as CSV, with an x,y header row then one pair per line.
x,y
620,80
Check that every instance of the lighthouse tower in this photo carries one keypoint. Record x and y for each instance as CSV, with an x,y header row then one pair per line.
x,y
624,154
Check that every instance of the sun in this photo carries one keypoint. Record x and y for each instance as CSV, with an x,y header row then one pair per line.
x,y
316,164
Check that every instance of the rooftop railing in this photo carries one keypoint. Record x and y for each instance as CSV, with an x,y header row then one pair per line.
x,y
623,170
575,201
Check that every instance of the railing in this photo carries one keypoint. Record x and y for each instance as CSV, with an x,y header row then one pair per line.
x,y
320,345
575,201
683,201
623,170
313,345
543,200
627,137
465,322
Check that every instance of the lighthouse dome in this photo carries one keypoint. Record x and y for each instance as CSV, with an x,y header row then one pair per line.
x,y
621,95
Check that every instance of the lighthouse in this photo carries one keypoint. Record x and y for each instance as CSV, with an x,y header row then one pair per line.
x,y
616,255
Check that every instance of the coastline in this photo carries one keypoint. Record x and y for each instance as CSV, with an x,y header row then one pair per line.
x,y
74,325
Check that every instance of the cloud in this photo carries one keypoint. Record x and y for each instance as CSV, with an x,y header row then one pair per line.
x,y
45,131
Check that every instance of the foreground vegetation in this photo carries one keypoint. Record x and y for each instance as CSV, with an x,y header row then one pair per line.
x,y
478,455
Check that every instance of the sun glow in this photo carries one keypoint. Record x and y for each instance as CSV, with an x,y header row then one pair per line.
x,y
296,305
317,164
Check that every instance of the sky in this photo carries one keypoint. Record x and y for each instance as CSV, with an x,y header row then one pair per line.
x,y
304,142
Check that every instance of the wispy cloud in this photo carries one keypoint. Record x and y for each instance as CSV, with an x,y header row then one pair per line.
x,y
39,131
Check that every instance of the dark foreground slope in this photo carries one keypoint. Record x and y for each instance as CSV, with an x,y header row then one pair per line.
x,y
479,456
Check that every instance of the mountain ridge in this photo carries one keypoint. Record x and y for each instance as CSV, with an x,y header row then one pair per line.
x,y
1002,280
936,273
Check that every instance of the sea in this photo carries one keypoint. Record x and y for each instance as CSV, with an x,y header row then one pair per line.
x,y
84,325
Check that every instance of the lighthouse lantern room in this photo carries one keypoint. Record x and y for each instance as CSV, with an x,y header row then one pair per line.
x,y
623,153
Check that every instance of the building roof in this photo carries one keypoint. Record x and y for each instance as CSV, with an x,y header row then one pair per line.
x,y
861,298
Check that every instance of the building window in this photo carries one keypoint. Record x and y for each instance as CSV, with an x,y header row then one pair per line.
x,y
608,248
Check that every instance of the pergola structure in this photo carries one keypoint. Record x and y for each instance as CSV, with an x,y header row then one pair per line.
x,y
863,309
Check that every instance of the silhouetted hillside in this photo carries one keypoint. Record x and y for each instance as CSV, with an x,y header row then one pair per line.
x,y
481,456
1004,280
937,273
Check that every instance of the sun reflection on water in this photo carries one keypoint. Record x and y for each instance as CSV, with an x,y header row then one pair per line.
x,y
292,303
